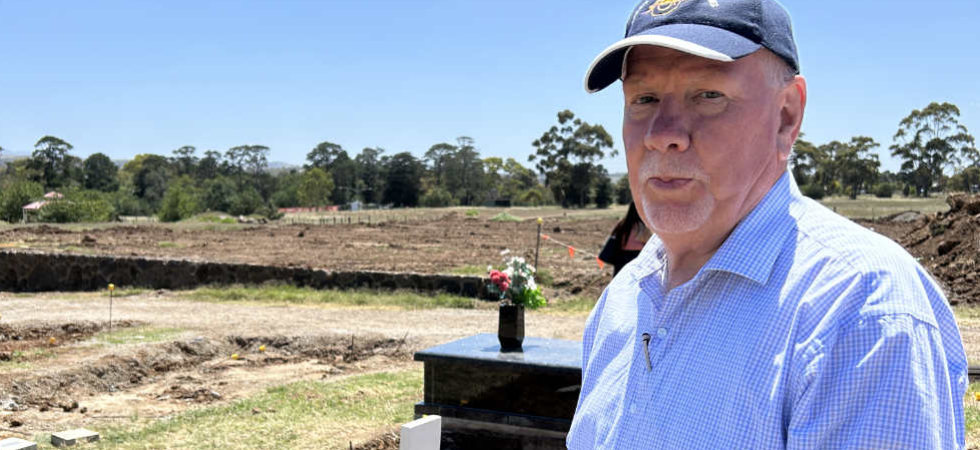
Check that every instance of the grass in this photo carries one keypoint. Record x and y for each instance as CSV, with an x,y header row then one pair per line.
x,y
966,312
21,359
309,414
211,217
868,207
286,294
574,305
971,411
472,213
505,217
167,244
469,270
140,335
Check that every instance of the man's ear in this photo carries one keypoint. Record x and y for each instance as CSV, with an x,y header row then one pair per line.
x,y
793,103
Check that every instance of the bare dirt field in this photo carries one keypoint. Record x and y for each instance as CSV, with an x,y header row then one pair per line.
x,y
449,245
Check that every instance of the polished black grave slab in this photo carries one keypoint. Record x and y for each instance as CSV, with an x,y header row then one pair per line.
x,y
470,379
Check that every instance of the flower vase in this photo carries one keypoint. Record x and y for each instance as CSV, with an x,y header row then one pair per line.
x,y
510,327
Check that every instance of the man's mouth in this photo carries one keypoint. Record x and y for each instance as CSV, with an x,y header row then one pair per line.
x,y
667,182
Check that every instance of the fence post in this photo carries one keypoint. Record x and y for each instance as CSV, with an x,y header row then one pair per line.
x,y
537,246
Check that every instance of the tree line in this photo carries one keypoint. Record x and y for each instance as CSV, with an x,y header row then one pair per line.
x,y
937,152
239,180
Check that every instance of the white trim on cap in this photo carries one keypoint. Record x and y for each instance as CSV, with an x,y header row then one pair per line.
x,y
660,41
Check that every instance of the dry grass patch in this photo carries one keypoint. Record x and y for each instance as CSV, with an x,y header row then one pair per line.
x,y
310,414
286,294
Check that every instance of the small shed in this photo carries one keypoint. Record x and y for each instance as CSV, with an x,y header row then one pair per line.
x,y
31,210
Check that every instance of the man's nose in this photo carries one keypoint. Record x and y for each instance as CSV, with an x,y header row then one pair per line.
x,y
668,130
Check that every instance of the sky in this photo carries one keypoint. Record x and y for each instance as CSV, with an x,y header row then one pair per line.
x,y
130,77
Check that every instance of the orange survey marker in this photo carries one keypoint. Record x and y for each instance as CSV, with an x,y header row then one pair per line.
x,y
572,250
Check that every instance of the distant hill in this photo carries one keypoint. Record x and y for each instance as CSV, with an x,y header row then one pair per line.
x,y
7,157
283,165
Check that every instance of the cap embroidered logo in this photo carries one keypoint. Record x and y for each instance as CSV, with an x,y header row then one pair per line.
x,y
664,7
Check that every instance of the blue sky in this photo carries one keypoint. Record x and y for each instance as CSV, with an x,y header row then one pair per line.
x,y
129,77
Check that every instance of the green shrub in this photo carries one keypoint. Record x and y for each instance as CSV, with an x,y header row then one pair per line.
x,y
436,198
908,190
13,197
79,206
505,217
472,213
218,194
245,203
884,190
269,211
536,196
814,191
181,201
60,211
126,204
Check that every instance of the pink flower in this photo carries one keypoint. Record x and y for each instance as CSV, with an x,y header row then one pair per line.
x,y
500,279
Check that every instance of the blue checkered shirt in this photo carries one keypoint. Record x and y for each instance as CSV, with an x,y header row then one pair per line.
x,y
804,330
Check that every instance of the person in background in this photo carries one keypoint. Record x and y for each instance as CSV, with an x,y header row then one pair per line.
x,y
626,240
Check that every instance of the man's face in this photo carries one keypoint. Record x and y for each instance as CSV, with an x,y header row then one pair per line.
x,y
701,137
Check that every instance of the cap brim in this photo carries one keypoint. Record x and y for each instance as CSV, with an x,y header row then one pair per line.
x,y
699,40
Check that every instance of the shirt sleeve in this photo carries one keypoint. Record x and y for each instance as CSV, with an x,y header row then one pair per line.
x,y
879,382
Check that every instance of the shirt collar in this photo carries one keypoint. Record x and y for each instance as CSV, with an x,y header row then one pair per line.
x,y
753,246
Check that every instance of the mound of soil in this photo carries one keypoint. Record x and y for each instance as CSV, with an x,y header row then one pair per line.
x,y
945,243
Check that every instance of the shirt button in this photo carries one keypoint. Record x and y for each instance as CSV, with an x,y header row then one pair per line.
x,y
633,408
662,333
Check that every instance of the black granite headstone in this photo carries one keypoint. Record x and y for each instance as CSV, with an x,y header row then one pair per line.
x,y
471,379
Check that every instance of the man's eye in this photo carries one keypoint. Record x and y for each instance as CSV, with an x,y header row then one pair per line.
x,y
711,95
644,99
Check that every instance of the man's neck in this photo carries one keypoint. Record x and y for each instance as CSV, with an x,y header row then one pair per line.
x,y
687,254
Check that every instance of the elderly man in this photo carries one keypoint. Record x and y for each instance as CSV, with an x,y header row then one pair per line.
x,y
754,318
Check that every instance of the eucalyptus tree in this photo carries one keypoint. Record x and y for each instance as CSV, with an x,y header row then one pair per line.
x,y
931,140
565,154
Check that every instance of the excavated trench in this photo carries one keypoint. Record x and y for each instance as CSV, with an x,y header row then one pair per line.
x,y
61,389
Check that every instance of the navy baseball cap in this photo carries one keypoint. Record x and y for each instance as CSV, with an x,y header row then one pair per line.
x,y
722,30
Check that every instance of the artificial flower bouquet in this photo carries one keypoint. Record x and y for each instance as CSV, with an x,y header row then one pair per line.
x,y
515,284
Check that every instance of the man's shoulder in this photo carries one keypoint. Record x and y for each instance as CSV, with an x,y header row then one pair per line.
x,y
878,276
830,235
